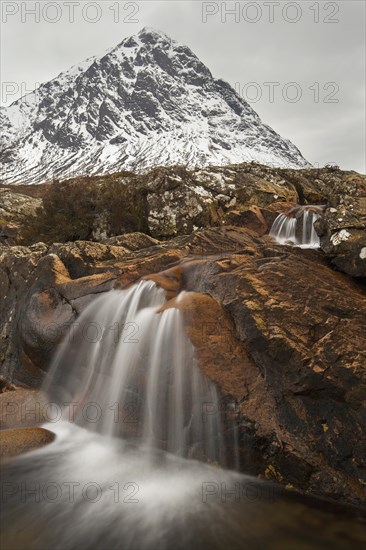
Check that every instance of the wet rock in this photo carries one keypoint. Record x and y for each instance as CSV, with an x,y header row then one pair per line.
x,y
305,336
22,407
22,440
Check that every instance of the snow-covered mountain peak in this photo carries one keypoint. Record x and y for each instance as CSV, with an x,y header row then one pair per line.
x,y
147,101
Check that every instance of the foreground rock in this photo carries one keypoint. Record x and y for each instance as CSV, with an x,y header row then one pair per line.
x,y
279,331
23,440
23,408
302,353
46,288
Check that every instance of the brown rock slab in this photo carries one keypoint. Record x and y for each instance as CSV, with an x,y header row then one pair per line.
x,y
252,219
302,324
22,440
22,407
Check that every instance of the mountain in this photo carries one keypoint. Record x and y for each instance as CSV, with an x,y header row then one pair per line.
x,y
149,101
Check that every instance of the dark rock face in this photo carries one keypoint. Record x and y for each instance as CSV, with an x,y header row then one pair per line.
x,y
305,335
279,331
18,264
347,249
342,229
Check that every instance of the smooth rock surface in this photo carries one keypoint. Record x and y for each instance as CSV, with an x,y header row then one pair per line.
x,y
22,440
23,408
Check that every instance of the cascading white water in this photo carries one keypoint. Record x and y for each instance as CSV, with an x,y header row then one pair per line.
x,y
126,369
310,238
284,229
89,491
288,229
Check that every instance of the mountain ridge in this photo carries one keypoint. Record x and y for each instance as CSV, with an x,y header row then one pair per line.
x,y
147,101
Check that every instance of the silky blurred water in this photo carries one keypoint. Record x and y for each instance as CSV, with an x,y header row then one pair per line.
x,y
86,491
113,481
128,369
296,227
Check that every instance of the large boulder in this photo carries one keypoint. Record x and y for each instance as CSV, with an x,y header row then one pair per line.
x,y
303,405
346,248
17,206
342,232
180,200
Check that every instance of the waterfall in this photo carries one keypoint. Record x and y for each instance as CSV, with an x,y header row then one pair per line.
x,y
127,369
284,229
296,227
127,379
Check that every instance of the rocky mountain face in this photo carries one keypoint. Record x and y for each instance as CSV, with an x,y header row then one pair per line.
x,y
149,101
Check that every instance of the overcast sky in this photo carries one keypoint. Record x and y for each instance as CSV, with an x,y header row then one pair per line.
x,y
312,52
